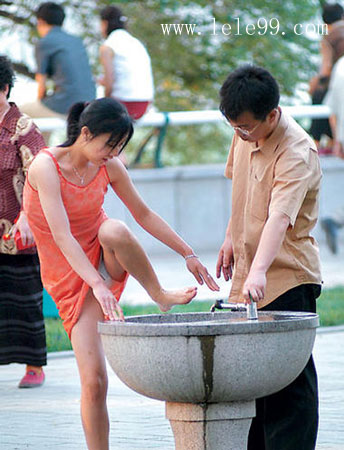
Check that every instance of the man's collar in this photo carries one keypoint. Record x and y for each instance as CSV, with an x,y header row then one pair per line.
x,y
273,140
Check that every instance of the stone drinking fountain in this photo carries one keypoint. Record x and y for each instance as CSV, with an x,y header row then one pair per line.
x,y
210,367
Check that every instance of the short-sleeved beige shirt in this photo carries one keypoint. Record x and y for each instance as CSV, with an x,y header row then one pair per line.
x,y
282,175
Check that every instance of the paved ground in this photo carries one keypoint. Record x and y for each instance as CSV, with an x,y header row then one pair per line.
x,y
48,417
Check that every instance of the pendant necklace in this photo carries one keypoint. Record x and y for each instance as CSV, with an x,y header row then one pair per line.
x,y
76,172
81,178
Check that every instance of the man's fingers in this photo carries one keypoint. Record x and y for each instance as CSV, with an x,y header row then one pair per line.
x,y
254,294
219,265
223,263
227,273
218,270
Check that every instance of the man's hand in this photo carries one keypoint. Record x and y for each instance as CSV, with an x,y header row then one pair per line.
x,y
255,285
225,260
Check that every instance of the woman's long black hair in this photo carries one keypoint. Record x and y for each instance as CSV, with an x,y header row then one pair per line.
x,y
101,116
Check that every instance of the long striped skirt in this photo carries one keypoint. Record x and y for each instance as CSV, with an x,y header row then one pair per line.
x,y
22,331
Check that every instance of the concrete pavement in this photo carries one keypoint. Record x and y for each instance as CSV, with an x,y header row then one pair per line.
x,y
48,417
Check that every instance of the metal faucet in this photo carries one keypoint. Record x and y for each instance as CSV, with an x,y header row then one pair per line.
x,y
250,308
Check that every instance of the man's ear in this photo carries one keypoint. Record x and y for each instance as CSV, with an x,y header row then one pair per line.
x,y
272,115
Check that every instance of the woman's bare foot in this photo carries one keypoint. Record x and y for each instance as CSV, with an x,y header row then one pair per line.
x,y
167,299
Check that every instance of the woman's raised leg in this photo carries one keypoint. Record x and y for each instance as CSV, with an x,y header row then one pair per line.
x,y
122,252
90,358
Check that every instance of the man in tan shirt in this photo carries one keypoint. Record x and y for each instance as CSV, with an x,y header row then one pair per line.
x,y
268,251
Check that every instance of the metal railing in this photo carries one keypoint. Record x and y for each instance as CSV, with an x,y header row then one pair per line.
x,y
160,121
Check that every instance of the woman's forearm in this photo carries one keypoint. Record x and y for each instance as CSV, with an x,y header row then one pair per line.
x,y
78,260
157,227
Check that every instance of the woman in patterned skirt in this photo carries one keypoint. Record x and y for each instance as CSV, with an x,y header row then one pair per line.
x,y
22,332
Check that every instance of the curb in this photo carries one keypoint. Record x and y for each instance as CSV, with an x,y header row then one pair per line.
x,y
334,329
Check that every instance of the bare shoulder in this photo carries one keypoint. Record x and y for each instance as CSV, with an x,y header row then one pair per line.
x,y
41,161
116,170
41,169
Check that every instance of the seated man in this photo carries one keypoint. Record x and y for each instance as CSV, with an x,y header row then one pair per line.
x,y
62,58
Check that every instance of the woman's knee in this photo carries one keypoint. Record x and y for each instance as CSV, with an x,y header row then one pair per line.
x,y
94,387
113,233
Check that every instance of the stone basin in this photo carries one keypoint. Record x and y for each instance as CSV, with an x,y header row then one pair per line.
x,y
209,366
209,357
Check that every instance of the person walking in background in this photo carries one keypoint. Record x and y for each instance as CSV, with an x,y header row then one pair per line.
x,y
332,48
126,64
22,331
85,256
61,59
335,101
268,250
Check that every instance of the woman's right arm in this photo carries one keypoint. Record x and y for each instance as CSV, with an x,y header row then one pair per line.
x,y
44,178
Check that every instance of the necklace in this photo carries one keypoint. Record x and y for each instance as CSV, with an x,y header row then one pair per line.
x,y
75,170
81,178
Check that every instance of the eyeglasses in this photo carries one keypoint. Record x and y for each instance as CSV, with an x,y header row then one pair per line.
x,y
246,133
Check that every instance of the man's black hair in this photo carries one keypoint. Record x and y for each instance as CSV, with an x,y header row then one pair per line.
x,y
332,12
51,12
249,89
6,74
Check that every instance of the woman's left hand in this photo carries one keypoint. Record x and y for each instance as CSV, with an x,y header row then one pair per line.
x,y
23,227
201,273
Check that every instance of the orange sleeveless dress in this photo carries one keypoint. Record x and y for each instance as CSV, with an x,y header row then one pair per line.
x,y
84,209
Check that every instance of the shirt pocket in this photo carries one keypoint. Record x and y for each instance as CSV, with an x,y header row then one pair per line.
x,y
259,197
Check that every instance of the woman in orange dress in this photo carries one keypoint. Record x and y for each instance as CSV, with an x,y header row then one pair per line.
x,y
63,199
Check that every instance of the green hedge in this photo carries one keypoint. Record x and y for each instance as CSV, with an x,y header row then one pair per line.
x,y
330,309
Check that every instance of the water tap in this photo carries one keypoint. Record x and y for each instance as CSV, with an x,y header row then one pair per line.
x,y
250,308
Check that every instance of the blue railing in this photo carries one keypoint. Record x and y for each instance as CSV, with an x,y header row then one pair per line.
x,y
160,121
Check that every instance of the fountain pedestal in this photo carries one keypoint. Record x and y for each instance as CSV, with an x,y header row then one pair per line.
x,y
209,367
210,426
